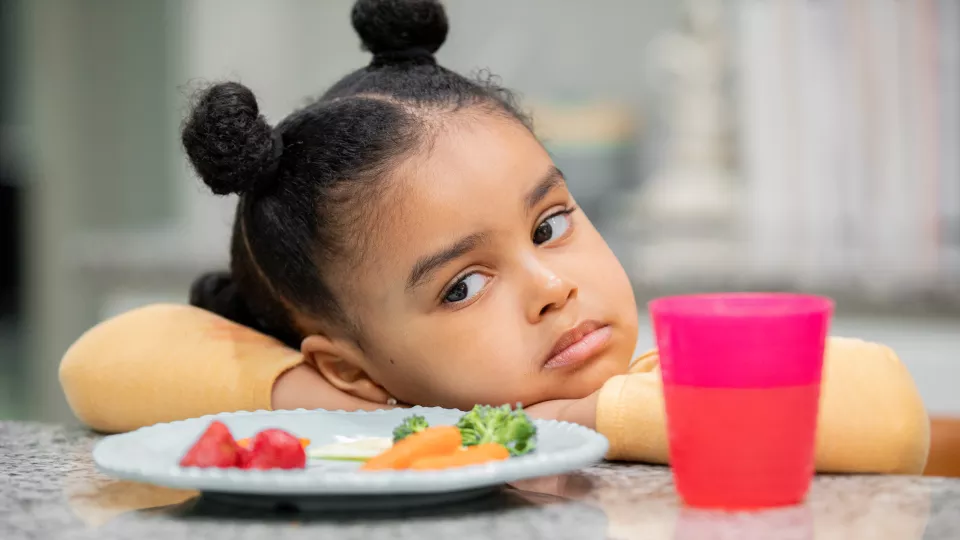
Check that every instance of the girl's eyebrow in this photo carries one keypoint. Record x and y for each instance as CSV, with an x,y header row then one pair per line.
x,y
553,179
431,263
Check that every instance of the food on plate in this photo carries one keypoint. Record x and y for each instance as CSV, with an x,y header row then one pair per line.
x,y
434,441
482,435
351,449
274,449
245,442
502,425
214,448
269,449
409,426
472,455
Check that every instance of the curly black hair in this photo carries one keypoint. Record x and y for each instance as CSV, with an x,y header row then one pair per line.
x,y
304,183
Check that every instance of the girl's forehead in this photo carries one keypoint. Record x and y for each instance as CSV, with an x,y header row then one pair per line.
x,y
473,179
472,164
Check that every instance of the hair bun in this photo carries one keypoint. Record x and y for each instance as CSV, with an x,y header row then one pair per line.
x,y
217,292
230,144
396,26
208,290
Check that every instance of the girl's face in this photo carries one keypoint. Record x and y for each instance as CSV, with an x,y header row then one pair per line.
x,y
483,282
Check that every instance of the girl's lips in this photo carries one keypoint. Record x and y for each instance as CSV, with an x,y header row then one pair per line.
x,y
579,345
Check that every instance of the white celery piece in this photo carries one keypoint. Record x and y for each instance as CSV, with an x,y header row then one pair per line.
x,y
351,449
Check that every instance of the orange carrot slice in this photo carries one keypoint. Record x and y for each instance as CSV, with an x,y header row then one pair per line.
x,y
245,442
474,455
434,441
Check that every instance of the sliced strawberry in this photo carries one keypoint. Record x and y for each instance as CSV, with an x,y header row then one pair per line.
x,y
243,457
275,449
245,442
215,448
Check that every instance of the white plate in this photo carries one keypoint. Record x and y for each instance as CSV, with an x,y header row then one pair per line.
x,y
152,454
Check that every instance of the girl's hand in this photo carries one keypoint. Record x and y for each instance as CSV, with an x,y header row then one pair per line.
x,y
581,411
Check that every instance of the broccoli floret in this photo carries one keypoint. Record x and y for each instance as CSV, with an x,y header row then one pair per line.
x,y
410,425
503,425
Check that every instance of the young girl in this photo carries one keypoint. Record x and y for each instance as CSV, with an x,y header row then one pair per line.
x,y
412,238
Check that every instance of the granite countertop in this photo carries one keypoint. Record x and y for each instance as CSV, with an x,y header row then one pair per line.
x,y
50,489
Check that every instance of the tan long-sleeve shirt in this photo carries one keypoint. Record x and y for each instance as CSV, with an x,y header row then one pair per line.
x,y
168,362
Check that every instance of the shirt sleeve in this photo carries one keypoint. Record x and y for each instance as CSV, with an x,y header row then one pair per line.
x,y
169,362
871,418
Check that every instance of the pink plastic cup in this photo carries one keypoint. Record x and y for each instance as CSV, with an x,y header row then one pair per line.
x,y
741,379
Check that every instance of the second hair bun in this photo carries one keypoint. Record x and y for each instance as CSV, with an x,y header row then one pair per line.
x,y
390,26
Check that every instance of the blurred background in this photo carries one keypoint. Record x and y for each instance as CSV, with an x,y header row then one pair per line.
x,y
718,145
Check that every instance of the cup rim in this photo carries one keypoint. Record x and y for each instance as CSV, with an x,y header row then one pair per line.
x,y
741,304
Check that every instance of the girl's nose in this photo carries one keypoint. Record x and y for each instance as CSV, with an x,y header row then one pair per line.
x,y
550,291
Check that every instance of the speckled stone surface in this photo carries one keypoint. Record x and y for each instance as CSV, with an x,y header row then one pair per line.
x,y
50,489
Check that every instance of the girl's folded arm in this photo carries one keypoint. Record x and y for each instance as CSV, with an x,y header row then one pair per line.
x,y
169,362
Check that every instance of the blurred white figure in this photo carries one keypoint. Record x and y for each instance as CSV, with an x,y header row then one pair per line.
x,y
690,203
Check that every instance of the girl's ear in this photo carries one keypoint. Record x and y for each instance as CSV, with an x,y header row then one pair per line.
x,y
341,365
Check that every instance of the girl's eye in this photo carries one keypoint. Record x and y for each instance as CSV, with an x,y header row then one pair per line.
x,y
466,288
552,228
